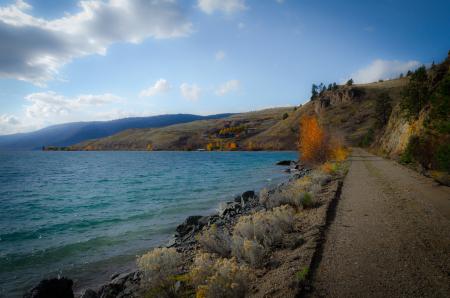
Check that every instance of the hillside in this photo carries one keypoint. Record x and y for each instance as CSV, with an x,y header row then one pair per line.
x,y
73,133
232,132
348,111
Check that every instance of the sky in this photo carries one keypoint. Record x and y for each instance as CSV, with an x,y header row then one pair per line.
x,y
65,61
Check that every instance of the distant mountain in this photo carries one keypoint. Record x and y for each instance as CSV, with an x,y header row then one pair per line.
x,y
72,133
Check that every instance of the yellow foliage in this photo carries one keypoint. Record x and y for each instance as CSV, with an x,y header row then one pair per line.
x,y
338,152
232,146
209,147
313,143
149,147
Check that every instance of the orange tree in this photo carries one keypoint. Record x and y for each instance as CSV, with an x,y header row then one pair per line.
x,y
313,141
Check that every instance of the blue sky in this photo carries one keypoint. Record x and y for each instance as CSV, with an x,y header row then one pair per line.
x,y
63,61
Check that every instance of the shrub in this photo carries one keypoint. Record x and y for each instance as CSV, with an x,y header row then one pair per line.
x,y
255,234
215,240
368,138
302,274
160,266
319,177
307,200
338,152
221,278
285,116
443,157
249,250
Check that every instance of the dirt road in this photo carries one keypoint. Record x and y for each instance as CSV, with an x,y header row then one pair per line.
x,y
390,236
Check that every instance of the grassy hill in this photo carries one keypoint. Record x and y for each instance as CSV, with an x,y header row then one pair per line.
x,y
348,111
232,132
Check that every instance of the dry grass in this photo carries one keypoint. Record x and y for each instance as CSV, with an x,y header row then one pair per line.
x,y
215,240
160,267
254,235
218,277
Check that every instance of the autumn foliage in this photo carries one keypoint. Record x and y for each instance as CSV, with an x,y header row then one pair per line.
x,y
316,146
313,143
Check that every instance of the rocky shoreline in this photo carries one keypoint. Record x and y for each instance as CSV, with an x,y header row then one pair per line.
x,y
127,285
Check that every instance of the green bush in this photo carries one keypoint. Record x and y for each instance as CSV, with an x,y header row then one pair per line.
x,y
368,138
285,116
440,106
443,157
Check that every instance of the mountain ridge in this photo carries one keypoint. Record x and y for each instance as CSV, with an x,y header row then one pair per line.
x,y
67,134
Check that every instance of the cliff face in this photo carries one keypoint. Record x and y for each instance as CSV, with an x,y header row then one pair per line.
x,y
342,95
395,137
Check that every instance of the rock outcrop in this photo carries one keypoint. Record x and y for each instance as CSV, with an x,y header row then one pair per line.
x,y
344,94
52,288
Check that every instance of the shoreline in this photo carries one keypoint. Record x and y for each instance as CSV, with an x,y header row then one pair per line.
x,y
127,281
111,270
300,250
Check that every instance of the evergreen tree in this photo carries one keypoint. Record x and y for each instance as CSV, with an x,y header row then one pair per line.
x,y
349,82
314,91
383,109
416,93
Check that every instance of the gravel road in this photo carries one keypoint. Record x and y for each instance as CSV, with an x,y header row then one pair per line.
x,y
390,236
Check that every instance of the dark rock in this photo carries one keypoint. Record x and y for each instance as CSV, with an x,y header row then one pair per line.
x,y
231,209
89,294
248,195
52,288
285,162
110,291
237,199
190,224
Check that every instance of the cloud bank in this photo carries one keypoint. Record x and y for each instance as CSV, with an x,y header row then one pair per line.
x,y
383,69
190,92
160,86
227,87
224,6
34,49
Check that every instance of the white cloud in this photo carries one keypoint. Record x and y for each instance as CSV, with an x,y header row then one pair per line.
x,y
220,55
44,105
190,92
225,6
37,48
9,124
228,87
160,86
383,69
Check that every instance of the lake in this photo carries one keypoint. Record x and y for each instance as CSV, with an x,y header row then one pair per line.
x,y
87,215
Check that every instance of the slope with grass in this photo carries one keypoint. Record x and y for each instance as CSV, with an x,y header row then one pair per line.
x,y
348,111
221,134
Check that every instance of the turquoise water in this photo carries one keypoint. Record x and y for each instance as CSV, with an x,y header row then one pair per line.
x,y
87,215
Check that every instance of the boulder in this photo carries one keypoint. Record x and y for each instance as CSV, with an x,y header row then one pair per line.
x,y
52,288
285,162
250,194
237,199
190,224
89,294
231,208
